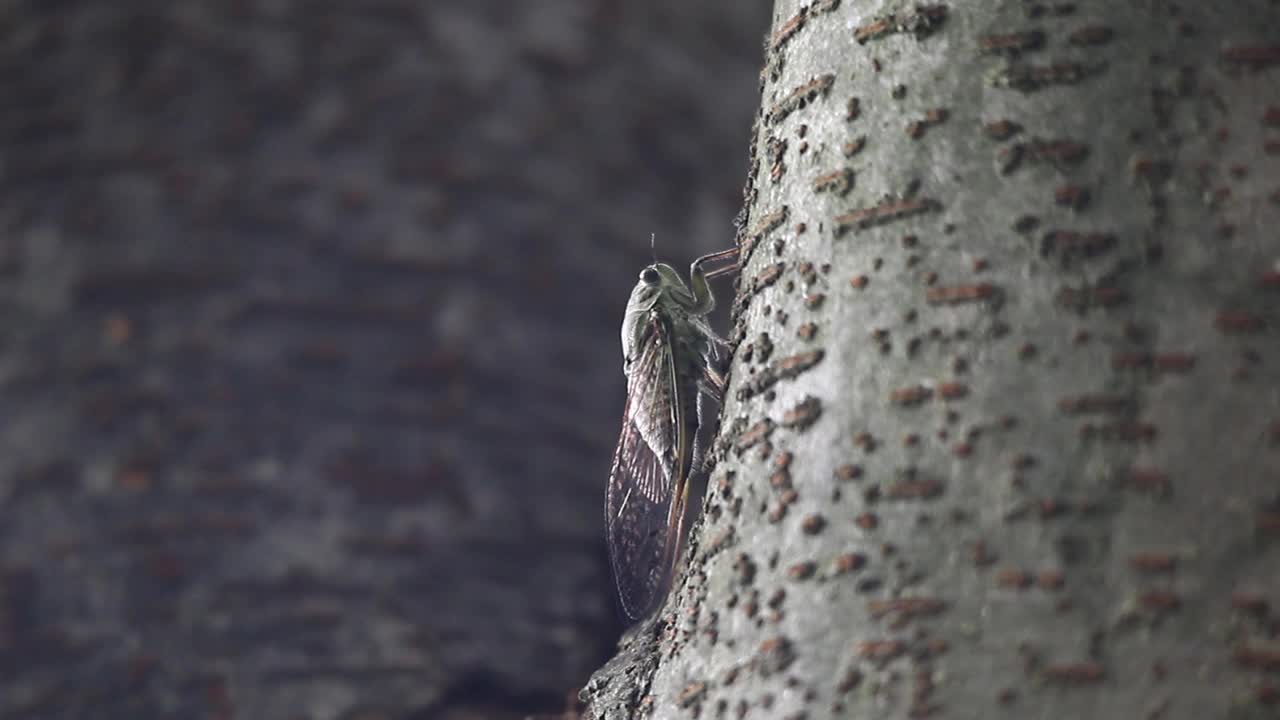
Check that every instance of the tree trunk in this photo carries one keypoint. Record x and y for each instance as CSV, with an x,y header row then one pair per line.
x,y
1002,434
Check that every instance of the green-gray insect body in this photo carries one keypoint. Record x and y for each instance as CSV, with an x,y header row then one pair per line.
x,y
670,359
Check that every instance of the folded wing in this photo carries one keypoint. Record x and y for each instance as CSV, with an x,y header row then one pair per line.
x,y
646,494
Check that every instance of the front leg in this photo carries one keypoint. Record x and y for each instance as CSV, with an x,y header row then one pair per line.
x,y
703,301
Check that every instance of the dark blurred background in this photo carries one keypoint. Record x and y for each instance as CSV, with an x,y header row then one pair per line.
x,y
309,361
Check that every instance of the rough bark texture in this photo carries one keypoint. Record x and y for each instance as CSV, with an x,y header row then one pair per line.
x,y
309,374
1003,428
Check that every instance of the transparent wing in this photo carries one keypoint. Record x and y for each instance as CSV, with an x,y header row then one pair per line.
x,y
645,500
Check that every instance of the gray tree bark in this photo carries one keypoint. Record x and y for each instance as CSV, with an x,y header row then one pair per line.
x,y
1003,429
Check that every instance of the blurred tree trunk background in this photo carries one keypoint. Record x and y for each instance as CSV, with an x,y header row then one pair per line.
x,y
1002,435
309,370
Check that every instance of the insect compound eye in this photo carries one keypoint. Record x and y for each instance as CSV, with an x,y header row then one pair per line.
x,y
649,276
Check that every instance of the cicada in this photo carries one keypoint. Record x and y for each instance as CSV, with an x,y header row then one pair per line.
x,y
671,359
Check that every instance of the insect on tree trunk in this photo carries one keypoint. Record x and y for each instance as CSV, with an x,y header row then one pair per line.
x,y
1002,429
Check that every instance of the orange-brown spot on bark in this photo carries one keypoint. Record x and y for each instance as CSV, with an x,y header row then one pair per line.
x,y
914,489
867,521
885,212
800,97
1067,245
1002,129
935,116
1251,56
873,29
1249,601
1130,360
1013,578
913,395
1094,403
1257,656
1162,600
1062,152
849,562
1268,522
1051,508
923,22
848,472
838,182
755,435
804,414
1150,481
906,608
854,146
851,680
1052,579
1128,431
775,153
775,655
794,364
767,276
1011,43
1075,197
767,224
1022,461
955,294
1091,35
1029,78
692,694
1149,169
1153,562
802,570
789,29
1238,321
1175,362
981,554
813,524
881,650
859,281
1087,673
952,390
1086,297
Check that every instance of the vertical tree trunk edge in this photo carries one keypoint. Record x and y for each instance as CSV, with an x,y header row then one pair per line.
x,y
1002,433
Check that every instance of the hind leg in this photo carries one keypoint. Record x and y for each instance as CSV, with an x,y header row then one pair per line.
x,y
710,387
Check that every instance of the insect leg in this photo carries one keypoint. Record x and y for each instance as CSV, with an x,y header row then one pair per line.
x,y
703,301
712,384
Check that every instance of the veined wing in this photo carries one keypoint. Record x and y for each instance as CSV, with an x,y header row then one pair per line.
x,y
645,500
